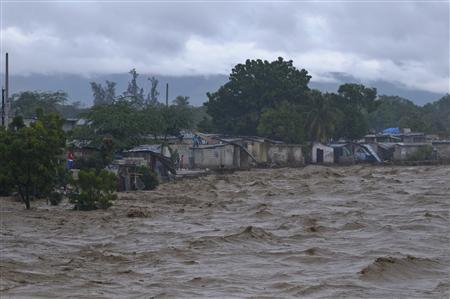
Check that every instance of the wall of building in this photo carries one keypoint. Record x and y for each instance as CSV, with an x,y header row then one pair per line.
x,y
259,150
185,152
328,153
443,150
404,152
285,155
215,157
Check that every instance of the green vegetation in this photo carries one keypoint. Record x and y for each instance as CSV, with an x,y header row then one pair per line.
x,y
149,178
93,190
255,87
27,103
31,156
422,154
433,118
284,122
273,99
55,198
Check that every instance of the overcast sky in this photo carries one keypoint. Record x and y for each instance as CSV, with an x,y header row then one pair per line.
x,y
404,42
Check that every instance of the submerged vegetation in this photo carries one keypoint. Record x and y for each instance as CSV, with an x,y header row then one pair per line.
x,y
93,190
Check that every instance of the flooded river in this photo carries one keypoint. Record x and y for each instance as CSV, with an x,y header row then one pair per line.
x,y
313,232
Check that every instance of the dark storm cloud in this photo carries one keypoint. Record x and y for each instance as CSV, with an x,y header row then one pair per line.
x,y
403,42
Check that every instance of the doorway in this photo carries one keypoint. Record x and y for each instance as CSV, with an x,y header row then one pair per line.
x,y
319,155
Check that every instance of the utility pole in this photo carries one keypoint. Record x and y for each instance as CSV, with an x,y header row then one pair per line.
x,y
6,106
3,107
167,94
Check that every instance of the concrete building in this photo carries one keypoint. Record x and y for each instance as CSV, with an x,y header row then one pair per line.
x,y
352,152
220,156
322,153
442,150
407,137
156,161
410,151
259,148
285,155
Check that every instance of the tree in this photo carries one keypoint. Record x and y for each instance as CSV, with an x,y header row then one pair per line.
x,y
93,190
152,121
322,116
436,116
99,93
119,121
181,101
152,97
30,156
103,95
363,98
28,102
174,119
149,178
355,101
134,92
110,92
253,87
394,111
283,123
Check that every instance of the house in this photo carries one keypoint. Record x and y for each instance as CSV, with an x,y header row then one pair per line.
x,y
442,149
285,155
352,152
395,135
344,153
127,171
414,151
155,160
220,156
259,148
402,151
385,150
322,153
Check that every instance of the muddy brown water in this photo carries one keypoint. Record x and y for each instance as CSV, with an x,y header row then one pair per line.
x,y
314,232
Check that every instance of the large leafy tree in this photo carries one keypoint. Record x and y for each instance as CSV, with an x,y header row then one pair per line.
x,y
28,102
322,117
394,111
436,116
255,86
283,122
355,102
30,156
118,121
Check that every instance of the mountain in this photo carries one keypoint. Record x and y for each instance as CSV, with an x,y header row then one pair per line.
x,y
195,87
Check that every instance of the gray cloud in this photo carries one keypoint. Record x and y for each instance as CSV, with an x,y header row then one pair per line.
x,y
403,42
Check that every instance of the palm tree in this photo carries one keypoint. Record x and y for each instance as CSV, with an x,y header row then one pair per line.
x,y
323,116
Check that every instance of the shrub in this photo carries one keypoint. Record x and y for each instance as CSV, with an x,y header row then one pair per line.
x,y
93,162
93,190
55,198
422,154
149,178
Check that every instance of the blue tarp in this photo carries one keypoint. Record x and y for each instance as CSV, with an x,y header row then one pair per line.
x,y
391,131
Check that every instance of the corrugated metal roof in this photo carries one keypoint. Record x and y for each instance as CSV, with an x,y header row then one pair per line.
x,y
154,148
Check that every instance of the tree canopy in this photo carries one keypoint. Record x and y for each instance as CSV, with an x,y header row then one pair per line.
x,y
30,156
253,87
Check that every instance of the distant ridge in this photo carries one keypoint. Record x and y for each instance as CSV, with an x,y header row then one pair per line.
x,y
195,87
